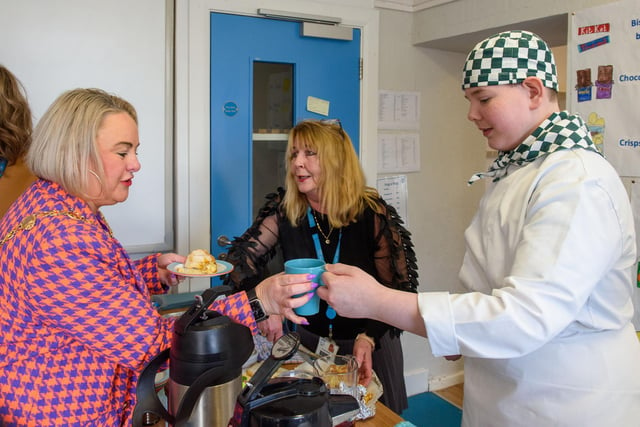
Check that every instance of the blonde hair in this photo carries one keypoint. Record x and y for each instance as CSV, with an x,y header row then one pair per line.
x,y
341,185
15,118
64,141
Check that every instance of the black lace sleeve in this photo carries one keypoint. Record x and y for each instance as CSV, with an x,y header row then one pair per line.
x,y
250,253
395,259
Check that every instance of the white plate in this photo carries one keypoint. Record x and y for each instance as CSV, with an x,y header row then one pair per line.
x,y
223,268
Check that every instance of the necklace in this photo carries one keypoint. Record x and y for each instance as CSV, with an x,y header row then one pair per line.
x,y
30,221
326,236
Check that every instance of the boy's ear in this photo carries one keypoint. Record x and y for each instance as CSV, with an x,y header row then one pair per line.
x,y
535,88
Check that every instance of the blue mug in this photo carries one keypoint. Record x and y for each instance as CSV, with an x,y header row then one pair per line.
x,y
307,266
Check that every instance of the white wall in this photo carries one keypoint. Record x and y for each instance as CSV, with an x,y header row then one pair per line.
x,y
53,47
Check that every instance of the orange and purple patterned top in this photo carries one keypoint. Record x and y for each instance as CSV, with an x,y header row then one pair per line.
x,y
76,322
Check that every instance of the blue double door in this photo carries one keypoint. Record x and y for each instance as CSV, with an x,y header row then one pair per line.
x,y
245,153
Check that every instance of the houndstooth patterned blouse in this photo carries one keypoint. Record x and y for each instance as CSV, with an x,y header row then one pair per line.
x,y
76,323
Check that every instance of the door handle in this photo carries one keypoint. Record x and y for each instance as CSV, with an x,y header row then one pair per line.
x,y
223,241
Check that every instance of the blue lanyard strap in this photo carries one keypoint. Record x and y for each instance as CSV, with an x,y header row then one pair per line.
x,y
330,313
316,239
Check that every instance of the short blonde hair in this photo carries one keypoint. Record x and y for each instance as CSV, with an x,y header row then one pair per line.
x,y
64,145
342,185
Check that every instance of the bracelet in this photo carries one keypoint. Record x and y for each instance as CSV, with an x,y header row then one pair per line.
x,y
367,338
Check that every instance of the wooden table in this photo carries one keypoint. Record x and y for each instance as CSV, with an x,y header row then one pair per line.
x,y
384,417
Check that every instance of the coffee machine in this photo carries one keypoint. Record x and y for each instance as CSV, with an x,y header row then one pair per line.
x,y
205,369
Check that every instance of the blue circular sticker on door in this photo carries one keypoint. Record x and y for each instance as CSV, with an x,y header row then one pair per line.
x,y
230,108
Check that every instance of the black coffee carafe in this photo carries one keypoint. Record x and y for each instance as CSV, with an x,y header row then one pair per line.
x,y
290,402
205,368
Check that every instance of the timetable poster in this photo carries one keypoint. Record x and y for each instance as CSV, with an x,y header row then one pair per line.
x,y
603,81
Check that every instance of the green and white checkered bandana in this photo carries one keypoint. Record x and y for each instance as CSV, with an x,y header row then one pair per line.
x,y
509,58
560,131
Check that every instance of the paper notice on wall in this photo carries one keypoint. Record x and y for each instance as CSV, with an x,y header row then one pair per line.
x,y
398,110
317,105
393,190
398,153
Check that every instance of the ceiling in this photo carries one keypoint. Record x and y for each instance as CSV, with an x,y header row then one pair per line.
x,y
552,29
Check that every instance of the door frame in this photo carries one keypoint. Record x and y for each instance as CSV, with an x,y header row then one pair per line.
x,y
192,118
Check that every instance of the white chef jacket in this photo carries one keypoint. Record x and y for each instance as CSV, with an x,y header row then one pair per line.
x,y
545,329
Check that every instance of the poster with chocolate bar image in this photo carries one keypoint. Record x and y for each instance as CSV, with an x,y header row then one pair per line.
x,y
603,79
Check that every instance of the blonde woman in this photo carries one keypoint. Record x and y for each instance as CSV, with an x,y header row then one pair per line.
x,y
328,212
77,325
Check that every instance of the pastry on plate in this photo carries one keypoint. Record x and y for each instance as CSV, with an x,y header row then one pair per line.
x,y
200,261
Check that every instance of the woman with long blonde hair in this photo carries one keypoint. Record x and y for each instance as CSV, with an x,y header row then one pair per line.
x,y
326,211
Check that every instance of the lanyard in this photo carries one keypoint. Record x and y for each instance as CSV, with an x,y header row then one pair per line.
x,y
330,313
316,239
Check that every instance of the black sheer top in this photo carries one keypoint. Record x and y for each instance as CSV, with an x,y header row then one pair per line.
x,y
378,243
